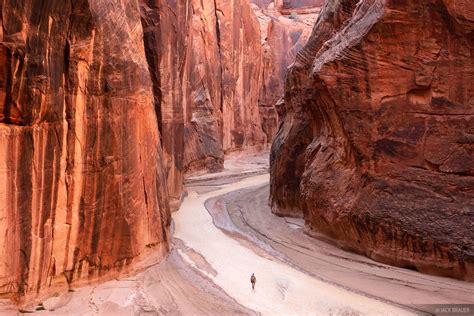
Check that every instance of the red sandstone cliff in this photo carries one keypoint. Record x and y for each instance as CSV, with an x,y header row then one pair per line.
x,y
82,187
283,36
376,143
217,72
222,87
205,61
166,35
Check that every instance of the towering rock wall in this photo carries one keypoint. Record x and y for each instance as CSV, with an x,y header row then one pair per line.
x,y
376,144
282,37
166,34
82,187
203,109
205,62
103,109
221,111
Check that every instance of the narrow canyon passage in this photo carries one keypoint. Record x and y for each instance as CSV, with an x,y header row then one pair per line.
x,y
156,153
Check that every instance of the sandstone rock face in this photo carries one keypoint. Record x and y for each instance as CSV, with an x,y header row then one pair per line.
x,y
376,141
82,186
282,37
222,113
166,28
217,73
206,64
203,108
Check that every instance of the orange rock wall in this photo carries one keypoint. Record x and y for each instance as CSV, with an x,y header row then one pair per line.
x,y
225,61
103,109
82,186
206,64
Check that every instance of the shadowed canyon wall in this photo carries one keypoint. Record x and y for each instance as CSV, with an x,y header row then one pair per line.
x,y
375,148
82,187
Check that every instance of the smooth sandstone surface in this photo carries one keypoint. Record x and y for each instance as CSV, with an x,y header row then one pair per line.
x,y
375,146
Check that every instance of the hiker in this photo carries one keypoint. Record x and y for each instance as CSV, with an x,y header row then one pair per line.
x,y
253,280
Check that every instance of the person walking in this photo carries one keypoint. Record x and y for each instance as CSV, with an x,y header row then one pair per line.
x,y
253,280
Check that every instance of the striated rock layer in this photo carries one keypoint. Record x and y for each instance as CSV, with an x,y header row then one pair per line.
x,y
217,73
376,142
82,186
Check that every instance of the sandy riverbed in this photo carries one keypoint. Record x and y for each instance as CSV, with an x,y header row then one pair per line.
x,y
208,270
245,214
281,289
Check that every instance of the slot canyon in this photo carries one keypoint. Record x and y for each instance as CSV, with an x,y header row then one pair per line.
x,y
154,154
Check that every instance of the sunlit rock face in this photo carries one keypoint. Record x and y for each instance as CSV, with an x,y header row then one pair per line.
x,y
82,185
375,146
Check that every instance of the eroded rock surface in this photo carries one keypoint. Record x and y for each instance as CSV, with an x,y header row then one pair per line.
x,y
166,27
376,144
82,187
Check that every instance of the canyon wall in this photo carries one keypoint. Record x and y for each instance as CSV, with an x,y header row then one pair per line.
x,y
217,73
103,109
222,88
206,65
282,37
166,32
375,148
82,186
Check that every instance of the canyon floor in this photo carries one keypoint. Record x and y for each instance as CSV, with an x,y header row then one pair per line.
x,y
224,232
